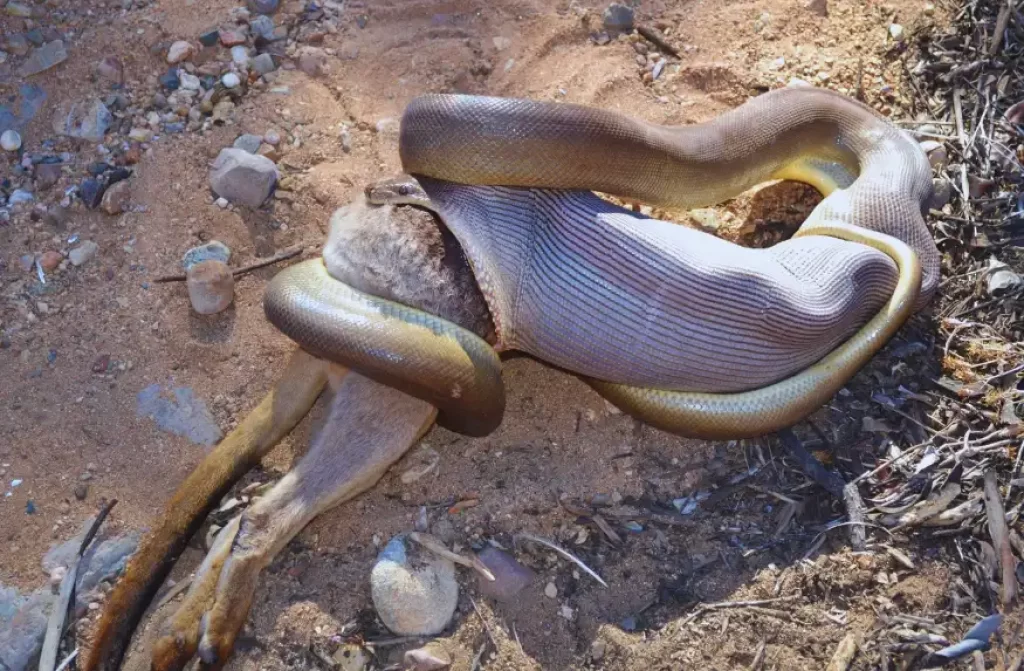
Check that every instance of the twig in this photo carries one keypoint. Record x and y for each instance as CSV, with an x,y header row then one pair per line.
x,y
276,258
67,660
999,532
855,511
844,654
964,187
565,553
439,549
657,40
997,35
55,624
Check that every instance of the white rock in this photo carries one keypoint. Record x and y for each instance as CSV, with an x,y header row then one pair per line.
x,y
179,51
10,140
222,203
188,82
896,32
231,80
414,591
240,55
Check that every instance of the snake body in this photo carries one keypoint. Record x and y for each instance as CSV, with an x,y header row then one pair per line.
x,y
685,331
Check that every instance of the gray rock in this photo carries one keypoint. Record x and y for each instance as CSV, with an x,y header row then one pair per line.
x,y
263,64
248,142
243,178
263,6
83,252
213,250
86,121
22,627
618,18
20,196
414,591
43,58
1001,279
187,415
262,26
103,561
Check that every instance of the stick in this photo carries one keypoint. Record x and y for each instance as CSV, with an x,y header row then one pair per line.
x,y
657,40
997,529
55,624
855,510
1001,22
565,553
844,654
281,256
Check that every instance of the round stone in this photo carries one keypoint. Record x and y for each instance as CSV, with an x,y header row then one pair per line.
x,y
231,80
10,140
211,286
414,591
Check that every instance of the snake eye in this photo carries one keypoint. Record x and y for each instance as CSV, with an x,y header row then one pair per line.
x,y
404,190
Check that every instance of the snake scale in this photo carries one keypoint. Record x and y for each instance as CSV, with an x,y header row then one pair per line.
x,y
683,330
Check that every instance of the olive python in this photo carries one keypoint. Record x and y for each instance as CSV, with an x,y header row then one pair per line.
x,y
683,330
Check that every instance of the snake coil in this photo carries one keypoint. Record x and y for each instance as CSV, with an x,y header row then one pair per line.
x,y
875,178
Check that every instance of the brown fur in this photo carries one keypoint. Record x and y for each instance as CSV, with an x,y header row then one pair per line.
x,y
396,252
405,254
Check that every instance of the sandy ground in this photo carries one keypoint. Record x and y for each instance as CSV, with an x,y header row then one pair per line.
x,y
58,414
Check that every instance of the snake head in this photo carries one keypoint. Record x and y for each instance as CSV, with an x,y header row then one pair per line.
x,y
400,190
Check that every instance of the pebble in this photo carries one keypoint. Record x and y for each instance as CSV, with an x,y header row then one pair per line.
x,y
243,178
140,135
550,591
91,192
248,142
117,198
597,650
240,56
262,26
214,250
17,44
431,657
169,80
211,286
262,6
231,80
819,7
312,61
231,38
618,18
85,121
43,58
20,196
180,51
188,82
510,577
81,491
10,140
19,9
83,253
210,38
896,32
264,64
273,138
414,591
47,174
111,69
50,261
222,203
